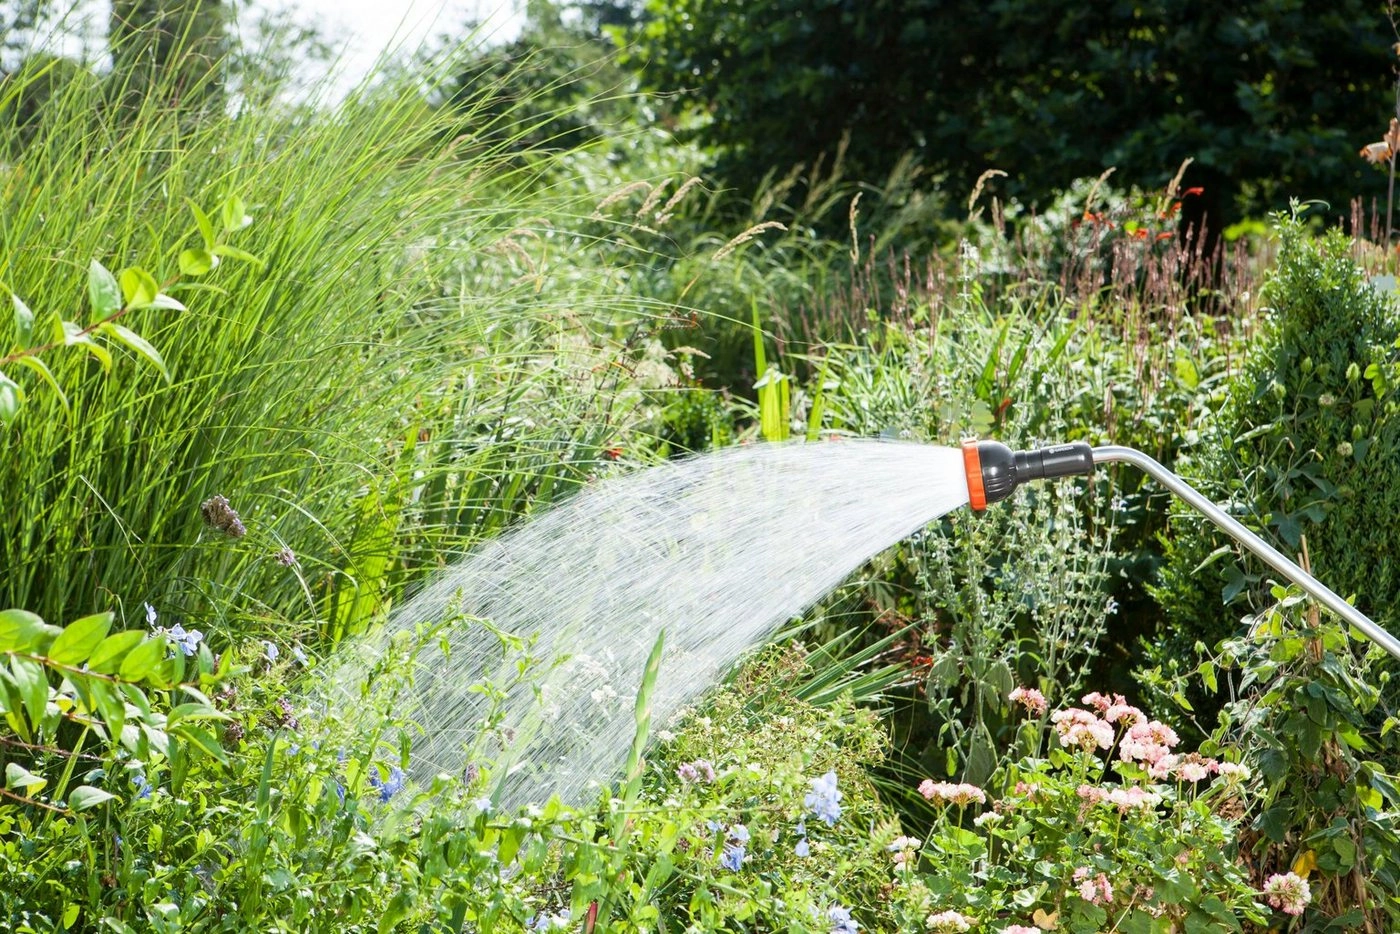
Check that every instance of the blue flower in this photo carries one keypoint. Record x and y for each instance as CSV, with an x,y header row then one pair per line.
x,y
732,857
270,651
388,787
824,799
150,614
803,848
544,922
300,656
143,787
483,804
841,922
739,833
188,642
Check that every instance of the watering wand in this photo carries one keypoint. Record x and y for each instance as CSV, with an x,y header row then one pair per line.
x,y
994,470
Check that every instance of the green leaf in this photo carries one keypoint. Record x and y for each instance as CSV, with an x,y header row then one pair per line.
x,y
17,776
19,629
11,399
33,686
167,302
234,214
110,706
42,368
139,287
203,739
144,660
103,291
85,796
197,262
233,252
206,226
107,657
80,639
24,321
139,344
73,335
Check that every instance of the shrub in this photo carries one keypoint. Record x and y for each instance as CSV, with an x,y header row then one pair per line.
x,y
1306,447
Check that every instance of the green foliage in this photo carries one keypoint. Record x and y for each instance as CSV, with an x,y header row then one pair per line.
x,y
1306,447
1081,843
171,49
1271,99
1309,718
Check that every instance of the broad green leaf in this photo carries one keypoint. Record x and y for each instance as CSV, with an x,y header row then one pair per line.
x,y
165,301
233,252
139,287
193,712
11,399
139,344
19,630
144,660
72,335
110,706
24,321
86,796
103,291
33,686
70,915
42,368
107,657
197,262
234,214
17,776
206,226
80,639
203,739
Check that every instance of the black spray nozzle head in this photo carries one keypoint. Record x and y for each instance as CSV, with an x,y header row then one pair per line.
x,y
994,470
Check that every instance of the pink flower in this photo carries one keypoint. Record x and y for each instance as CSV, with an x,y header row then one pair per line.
x,y
1288,892
1097,890
949,793
1192,771
948,922
1019,929
1133,797
1082,729
1031,699
1163,766
1099,702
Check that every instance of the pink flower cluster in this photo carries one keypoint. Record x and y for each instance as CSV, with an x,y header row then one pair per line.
x,y
1080,728
1095,889
948,922
1288,892
1019,929
949,793
1031,699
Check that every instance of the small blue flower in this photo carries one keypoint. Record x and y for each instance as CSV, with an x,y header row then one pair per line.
x,y
388,787
188,642
739,833
803,848
143,787
483,804
824,799
300,656
732,857
841,922
340,792
150,614
270,651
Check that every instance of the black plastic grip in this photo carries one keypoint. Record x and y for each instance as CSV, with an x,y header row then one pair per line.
x,y
1004,469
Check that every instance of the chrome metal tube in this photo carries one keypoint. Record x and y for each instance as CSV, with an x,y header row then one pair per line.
x,y
1266,552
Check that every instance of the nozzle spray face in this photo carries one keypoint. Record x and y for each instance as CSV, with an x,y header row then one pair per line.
x,y
994,470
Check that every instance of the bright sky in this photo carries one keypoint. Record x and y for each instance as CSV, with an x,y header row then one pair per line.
x,y
368,27
365,28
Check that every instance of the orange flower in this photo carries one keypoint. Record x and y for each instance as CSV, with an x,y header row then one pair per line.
x,y
1375,153
1193,191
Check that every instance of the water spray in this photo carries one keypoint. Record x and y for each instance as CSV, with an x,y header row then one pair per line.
x,y
994,470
